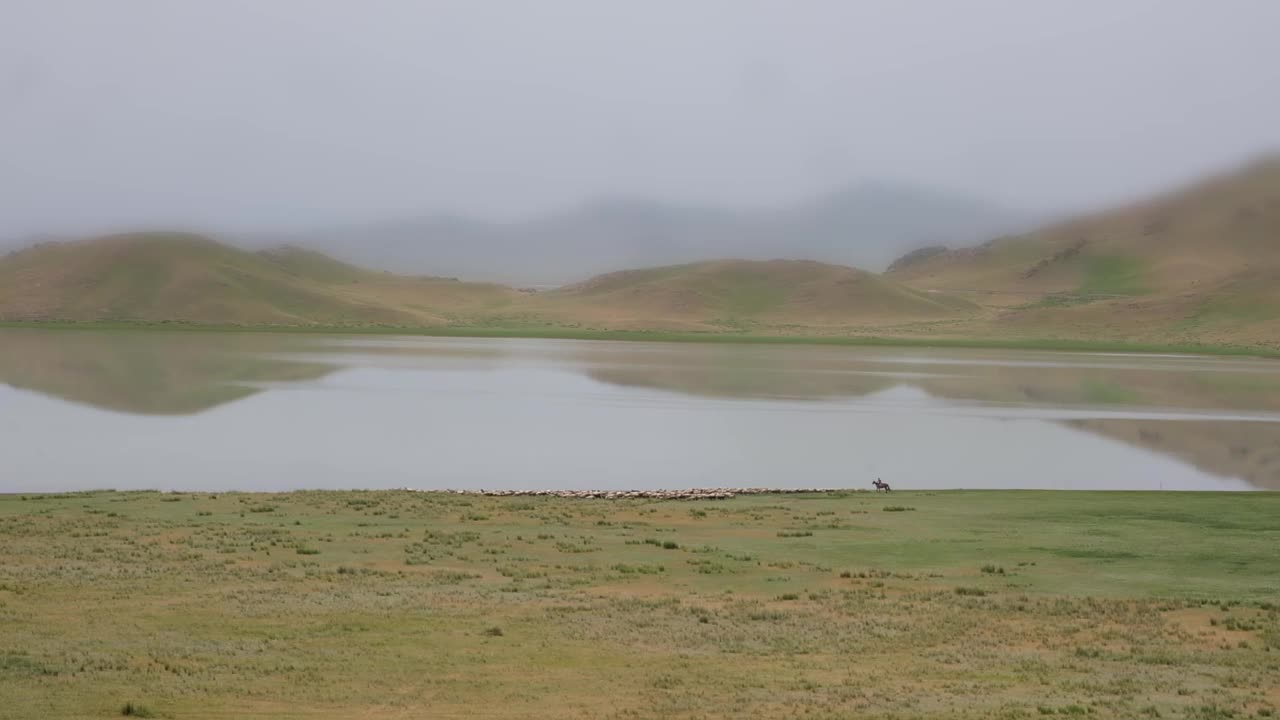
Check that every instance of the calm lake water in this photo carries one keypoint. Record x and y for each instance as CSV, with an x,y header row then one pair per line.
x,y
207,411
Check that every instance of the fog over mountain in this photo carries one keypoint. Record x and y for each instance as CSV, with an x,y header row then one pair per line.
x,y
866,225
394,131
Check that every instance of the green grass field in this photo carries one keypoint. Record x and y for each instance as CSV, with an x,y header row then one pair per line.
x,y
394,604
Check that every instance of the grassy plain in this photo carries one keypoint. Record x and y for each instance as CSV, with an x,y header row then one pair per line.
x,y
396,604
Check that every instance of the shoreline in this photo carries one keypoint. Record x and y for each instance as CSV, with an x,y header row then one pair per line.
x,y
721,493
676,494
557,333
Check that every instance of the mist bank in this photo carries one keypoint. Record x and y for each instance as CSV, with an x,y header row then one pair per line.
x,y
865,225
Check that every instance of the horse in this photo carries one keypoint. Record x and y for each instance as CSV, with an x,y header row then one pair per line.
x,y
880,485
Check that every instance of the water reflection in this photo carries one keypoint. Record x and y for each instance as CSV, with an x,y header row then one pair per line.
x,y
548,402
148,373
1173,405
1246,450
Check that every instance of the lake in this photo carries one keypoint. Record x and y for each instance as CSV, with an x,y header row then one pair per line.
x,y
254,411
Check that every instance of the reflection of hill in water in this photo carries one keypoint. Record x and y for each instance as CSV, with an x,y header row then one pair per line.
x,y
1247,450
822,377
186,373
756,383
146,373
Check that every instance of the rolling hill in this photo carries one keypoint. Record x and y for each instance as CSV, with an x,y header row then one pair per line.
x,y
189,278
1199,264
156,277
746,294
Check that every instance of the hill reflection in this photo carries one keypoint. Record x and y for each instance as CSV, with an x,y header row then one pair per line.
x,y
154,373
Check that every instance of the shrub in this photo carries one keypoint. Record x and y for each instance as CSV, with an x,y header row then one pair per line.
x,y
493,632
638,569
133,710
971,591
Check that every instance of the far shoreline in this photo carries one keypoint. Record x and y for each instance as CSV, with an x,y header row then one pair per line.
x,y
568,333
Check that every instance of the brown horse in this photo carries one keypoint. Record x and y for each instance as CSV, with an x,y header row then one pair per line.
x,y
880,485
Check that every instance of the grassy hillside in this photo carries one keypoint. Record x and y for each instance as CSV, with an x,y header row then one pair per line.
x,y
303,263
181,277
1196,267
742,294
161,277
1202,263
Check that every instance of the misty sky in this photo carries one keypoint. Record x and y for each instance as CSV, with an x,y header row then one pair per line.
x,y
226,114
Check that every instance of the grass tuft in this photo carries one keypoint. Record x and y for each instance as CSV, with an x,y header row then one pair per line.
x,y
131,709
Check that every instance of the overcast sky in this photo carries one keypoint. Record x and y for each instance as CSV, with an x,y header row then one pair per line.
x,y
292,113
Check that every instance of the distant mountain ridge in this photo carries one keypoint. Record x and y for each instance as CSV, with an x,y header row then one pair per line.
x,y
864,225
